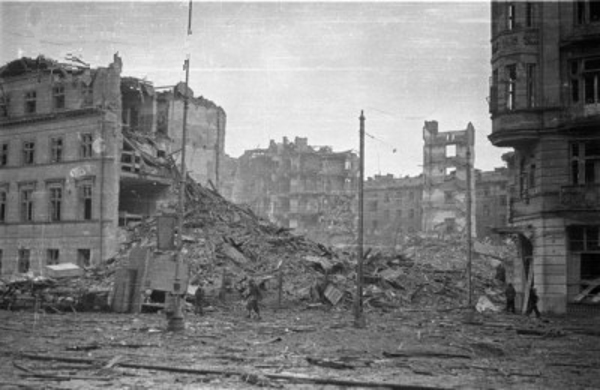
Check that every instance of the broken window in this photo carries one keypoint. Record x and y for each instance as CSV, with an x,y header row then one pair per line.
x,y
28,153
448,197
56,149
529,14
451,150
585,80
531,78
3,107
26,194
84,257
55,195
85,194
85,147
58,97
30,102
23,261
574,66
587,11
511,86
510,16
585,162
52,257
3,200
3,154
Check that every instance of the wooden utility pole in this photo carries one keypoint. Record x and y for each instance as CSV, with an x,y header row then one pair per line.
x,y
359,319
175,320
469,234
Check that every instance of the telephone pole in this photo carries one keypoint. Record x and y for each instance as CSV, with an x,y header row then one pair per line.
x,y
359,319
176,322
469,235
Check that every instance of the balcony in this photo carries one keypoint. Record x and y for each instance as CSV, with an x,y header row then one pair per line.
x,y
580,197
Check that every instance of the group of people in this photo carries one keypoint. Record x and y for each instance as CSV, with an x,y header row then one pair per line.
x,y
252,296
531,303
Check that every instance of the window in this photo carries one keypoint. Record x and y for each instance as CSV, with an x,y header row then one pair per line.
x,y
27,203
532,176
3,200
3,107
84,257
55,194
85,193
28,153
510,16
23,261
583,238
448,197
531,76
30,102
87,92
58,97
529,14
587,11
585,162
52,257
511,86
56,150
86,145
585,80
451,150
3,155
494,91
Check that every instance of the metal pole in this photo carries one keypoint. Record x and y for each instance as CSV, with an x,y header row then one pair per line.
x,y
176,321
358,309
469,235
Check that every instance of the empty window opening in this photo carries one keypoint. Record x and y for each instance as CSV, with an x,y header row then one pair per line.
x,y
3,107
3,155
52,257
55,195
88,94
531,77
27,204
58,97
510,16
84,257
529,14
23,261
86,201
3,200
30,102
85,147
451,150
28,153
56,150
585,162
511,86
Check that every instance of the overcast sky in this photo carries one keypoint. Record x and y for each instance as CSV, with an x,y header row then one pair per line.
x,y
290,68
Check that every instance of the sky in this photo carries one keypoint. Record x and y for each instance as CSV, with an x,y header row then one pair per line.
x,y
292,69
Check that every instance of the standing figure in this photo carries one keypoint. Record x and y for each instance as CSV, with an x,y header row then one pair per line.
x,y
252,299
199,300
510,298
532,305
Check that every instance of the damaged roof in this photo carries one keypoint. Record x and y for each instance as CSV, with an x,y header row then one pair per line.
x,y
25,65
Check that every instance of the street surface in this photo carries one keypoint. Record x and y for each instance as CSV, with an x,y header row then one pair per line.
x,y
225,350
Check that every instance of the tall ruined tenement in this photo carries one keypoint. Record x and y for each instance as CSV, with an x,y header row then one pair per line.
x,y
392,209
545,104
83,150
445,179
302,187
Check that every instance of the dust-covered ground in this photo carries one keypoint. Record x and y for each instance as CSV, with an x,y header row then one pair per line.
x,y
299,348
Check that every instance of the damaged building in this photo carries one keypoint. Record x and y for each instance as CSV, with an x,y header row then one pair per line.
x,y
83,150
309,189
545,104
448,157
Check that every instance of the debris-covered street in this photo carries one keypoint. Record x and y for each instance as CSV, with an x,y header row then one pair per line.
x,y
298,348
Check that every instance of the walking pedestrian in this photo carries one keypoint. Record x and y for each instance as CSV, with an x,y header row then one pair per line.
x,y
252,299
510,298
532,304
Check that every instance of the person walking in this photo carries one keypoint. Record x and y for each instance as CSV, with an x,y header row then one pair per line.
x,y
532,304
510,298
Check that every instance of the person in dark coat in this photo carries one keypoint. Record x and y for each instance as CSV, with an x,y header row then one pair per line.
x,y
252,299
510,298
533,301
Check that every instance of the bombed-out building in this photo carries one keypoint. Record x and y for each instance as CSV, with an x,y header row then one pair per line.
x,y
545,104
83,150
306,188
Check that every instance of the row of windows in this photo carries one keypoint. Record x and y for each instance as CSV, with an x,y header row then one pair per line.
x,y
58,96
84,257
54,198
57,148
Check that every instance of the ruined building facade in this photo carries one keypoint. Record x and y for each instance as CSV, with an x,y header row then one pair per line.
x,y
309,189
82,150
545,104
447,159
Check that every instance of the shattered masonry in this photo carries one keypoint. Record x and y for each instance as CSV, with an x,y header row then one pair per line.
x,y
302,187
83,150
